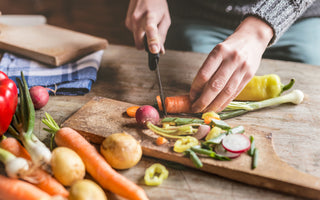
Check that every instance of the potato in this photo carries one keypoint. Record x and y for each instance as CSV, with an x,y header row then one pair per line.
x,y
67,166
86,190
121,150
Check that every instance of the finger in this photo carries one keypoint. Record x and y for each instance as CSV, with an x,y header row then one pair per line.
x,y
229,92
163,28
152,33
204,74
129,14
138,35
216,85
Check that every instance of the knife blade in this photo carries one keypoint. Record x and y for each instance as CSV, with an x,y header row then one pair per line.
x,y
153,60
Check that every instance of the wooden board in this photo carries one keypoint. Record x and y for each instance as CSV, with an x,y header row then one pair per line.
x,y
48,44
101,117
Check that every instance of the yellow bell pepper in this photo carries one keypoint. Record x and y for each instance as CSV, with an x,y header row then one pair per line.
x,y
263,87
185,143
155,174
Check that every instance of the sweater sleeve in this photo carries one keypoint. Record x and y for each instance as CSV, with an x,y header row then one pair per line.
x,y
280,15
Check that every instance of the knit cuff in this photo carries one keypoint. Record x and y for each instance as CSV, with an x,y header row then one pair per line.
x,y
280,15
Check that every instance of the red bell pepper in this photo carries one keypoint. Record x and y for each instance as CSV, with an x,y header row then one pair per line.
x,y
8,101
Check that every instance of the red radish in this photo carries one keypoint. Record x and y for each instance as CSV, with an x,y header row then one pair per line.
x,y
39,96
147,113
223,152
236,143
202,132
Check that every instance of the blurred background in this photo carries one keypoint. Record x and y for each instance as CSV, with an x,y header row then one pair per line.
x,y
103,18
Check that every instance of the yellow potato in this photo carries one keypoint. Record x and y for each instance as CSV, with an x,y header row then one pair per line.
x,y
86,190
67,166
121,150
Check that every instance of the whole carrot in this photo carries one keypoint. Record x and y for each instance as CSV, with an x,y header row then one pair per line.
x,y
15,189
176,104
40,178
95,164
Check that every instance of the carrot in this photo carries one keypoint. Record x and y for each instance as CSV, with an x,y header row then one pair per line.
x,y
176,104
95,164
15,189
42,179
208,119
161,140
131,111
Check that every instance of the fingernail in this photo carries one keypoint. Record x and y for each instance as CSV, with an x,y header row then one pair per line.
x,y
154,48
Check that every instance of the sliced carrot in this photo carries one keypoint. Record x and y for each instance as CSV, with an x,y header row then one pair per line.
x,y
208,119
161,140
131,111
176,104
42,179
15,189
97,166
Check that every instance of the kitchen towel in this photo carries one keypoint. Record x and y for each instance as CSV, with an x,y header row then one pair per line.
x,y
74,78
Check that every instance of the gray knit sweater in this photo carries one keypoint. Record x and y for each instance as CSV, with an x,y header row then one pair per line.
x,y
279,14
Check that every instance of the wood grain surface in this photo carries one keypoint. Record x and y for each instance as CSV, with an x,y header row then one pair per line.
x,y
124,76
48,44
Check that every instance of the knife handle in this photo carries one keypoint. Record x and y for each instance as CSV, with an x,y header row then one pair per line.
x,y
153,59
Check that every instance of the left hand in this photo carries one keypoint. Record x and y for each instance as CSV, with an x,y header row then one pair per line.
x,y
230,66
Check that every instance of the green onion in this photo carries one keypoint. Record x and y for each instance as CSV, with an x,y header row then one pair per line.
x,y
252,147
221,124
255,158
236,108
194,158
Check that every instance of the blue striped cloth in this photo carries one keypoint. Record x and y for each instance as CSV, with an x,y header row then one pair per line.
x,y
74,78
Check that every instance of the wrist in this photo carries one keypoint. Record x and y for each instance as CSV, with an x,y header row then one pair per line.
x,y
257,28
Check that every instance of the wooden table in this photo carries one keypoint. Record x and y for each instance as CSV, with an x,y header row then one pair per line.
x,y
124,76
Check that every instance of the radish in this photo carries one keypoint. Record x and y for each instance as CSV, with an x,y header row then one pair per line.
x,y
146,114
202,132
39,96
236,143
223,152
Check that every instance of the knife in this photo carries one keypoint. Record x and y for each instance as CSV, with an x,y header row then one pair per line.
x,y
153,60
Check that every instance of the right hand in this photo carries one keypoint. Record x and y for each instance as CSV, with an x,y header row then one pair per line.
x,y
150,18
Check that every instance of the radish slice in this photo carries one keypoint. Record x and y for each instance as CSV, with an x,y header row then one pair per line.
x,y
236,143
202,132
223,152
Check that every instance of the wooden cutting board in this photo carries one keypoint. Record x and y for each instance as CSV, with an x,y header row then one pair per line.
x,y
48,44
101,117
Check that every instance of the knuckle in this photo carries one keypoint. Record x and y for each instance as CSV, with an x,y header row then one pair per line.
x,y
217,85
203,76
229,91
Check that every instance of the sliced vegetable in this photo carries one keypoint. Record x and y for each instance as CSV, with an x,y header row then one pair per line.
x,y
15,189
251,150
178,121
176,104
131,111
121,150
194,158
146,114
236,143
95,164
213,133
255,158
263,87
8,101
155,174
221,124
202,132
161,140
211,114
176,133
182,144
210,153
220,150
